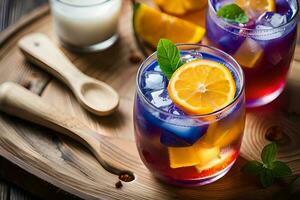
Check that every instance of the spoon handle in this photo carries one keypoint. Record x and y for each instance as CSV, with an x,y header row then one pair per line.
x,y
17,101
41,51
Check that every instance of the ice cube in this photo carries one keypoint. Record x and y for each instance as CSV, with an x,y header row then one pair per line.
x,y
157,68
268,21
187,58
160,98
196,54
231,42
174,110
286,7
192,55
154,81
262,27
271,19
262,32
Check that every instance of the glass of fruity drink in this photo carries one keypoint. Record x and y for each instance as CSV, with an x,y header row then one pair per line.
x,y
263,44
189,128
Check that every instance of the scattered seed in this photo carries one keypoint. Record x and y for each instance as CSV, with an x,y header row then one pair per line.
x,y
126,177
118,184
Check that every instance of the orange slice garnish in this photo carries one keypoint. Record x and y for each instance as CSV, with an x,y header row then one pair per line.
x,y
202,87
151,25
180,7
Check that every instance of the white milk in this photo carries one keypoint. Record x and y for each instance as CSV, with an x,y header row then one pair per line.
x,y
85,22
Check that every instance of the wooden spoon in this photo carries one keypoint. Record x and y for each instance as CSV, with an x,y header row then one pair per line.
x,y
17,101
95,96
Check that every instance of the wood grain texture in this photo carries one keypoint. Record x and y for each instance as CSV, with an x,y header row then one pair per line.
x,y
16,176
12,10
17,194
69,166
4,188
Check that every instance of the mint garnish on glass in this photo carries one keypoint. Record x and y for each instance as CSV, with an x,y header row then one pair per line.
x,y
270,168
233,13
168,57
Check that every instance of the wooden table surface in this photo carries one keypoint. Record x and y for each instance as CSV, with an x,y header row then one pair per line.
x,y
11,11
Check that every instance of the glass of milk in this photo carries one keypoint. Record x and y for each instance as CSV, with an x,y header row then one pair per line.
x,y
86,25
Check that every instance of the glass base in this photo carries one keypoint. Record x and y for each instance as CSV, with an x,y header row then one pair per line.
x,y
197,182
92,48
251,103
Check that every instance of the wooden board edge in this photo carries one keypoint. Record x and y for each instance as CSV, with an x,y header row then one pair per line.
x,y
47,187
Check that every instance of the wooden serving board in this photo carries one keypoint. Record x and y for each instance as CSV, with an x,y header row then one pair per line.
x,y
33,156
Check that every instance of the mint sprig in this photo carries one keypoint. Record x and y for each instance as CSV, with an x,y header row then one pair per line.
x,y
270,168
168,57
233,13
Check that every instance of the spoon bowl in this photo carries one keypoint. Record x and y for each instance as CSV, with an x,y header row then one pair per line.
x,y
96,96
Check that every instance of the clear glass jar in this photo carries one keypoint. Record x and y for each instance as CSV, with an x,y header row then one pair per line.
x,y
86,26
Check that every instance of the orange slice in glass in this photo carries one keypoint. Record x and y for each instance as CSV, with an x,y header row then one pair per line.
x,y
202,87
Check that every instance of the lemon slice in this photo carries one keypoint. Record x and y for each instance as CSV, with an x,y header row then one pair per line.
x,y
202,87
258,6
180,7
151,25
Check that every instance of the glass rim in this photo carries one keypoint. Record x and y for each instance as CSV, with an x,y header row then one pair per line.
x,y
80,6
251,29
236,98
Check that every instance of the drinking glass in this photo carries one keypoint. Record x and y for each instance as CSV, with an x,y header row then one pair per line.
x,y
187,149
86,26
265,53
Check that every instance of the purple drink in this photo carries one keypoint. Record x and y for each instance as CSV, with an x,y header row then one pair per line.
x,y
264,46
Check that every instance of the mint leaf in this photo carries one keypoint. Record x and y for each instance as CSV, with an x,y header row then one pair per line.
x,y
233,13
281,169
266,177
270,169
168,57
252,167
268,154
